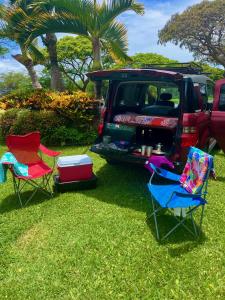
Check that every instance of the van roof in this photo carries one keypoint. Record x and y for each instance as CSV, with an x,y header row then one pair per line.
x,y
198,78
121,74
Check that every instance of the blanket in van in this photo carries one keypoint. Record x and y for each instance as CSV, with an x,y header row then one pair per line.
x,y
142,120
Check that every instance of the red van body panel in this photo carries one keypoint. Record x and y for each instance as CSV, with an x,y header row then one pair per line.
x,y
217,124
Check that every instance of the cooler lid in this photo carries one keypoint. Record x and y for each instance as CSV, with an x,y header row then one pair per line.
x,y
74,160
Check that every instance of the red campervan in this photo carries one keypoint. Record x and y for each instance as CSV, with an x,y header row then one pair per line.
x,y
164,109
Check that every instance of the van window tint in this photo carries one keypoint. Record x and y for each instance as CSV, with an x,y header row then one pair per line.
x,y
210,92
150,98
203,91
222,98
129,95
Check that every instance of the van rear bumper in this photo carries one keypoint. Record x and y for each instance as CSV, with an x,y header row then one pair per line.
x,y
119,155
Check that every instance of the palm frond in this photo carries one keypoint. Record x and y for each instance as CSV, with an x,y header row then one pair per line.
x,y
113,8
37,55
117,34
47,23
117,54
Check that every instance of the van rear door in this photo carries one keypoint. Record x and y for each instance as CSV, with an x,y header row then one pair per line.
x,y
218,114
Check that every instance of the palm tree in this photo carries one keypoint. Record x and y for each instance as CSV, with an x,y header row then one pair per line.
x,y
50,42
29,57
95,21
32,11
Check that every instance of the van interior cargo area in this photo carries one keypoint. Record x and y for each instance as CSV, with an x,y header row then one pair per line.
x,y
142,114
127,139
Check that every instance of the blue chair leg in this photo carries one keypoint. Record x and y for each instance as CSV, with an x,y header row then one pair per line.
x,y
201,219
155,217
193,222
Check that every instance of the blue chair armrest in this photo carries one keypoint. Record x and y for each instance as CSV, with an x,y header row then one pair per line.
x,y
184,195
164,173
190,195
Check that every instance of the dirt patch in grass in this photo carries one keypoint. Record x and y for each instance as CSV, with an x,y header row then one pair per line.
x,y
36,234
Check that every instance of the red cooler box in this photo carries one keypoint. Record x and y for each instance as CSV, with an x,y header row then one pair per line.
x,y
74,168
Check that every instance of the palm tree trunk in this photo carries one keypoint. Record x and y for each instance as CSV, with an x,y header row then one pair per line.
x,y
97,65
56,74
29,65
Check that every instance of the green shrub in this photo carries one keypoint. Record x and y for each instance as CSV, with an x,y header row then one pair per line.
x,y
54,129
71,136
69,118
7,121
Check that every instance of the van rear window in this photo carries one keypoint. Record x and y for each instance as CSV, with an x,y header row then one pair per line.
x,y
160,98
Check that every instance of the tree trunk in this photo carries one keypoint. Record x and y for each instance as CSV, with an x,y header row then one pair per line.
x,y
56,75
28,64
97,65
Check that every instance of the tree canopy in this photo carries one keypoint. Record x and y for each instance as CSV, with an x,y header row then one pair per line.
x,y
14,81
75,59
200,29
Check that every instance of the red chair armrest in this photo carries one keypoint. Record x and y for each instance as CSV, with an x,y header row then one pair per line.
x,y
48,152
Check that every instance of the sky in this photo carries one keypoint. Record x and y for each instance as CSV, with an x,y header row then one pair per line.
x,y
142,32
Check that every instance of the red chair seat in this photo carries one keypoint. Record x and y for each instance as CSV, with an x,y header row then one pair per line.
x,y
37,170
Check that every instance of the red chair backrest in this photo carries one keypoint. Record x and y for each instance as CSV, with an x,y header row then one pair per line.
x,y
25,147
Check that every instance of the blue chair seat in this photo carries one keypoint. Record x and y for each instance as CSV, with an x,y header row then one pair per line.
x,y
162,193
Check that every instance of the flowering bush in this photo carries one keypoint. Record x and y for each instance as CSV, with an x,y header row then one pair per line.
x,y
72,116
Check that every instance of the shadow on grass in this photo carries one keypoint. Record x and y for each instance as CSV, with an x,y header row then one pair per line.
x,y
11,202
220,178
123,185
181,241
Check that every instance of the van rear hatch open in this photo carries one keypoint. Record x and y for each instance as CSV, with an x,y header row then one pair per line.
x,y
142,109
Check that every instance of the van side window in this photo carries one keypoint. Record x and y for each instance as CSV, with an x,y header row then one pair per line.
x,y
203,91
210,92
222,98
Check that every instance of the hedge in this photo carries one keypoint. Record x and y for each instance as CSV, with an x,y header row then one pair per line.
x,y
62,118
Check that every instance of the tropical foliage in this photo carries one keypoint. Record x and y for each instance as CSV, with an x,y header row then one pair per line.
x,y
88,18
60,117
14,82
75,59
30,56
200,29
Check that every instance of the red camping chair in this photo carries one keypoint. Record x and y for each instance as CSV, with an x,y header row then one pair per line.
x,y
25,148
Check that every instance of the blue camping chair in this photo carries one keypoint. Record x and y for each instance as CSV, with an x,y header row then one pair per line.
x,y
180,196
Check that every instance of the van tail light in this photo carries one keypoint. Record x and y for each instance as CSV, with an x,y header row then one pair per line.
x,y
189,137
100,128
189,129
101,122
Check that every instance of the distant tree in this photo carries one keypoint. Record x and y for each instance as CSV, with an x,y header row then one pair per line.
x,y
75,59
200,29
14,81
141,59
213,73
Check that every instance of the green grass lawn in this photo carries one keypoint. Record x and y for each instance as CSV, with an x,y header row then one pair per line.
x,y
98,244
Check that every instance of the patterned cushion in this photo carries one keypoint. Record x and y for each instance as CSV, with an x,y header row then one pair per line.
x,y
196,170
